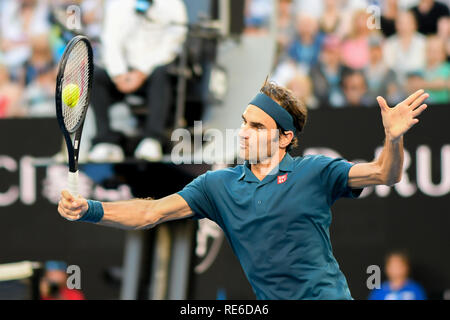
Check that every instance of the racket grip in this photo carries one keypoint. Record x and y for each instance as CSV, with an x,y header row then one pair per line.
x,y
73,183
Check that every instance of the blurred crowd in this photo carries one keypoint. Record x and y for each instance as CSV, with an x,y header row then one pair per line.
x,y
331,53
33,36
341,53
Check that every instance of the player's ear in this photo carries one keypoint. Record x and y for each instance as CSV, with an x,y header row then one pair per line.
x,y
285,138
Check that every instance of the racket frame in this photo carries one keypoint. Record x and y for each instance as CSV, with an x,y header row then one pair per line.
x,y
73,147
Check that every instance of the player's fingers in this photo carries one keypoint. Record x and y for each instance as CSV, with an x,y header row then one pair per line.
x,y
419,100
67,214
68,205
419,110
66,195
80,202
66,211
383,104
414,96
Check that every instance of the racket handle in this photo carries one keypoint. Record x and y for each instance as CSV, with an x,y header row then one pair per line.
x,y
73,183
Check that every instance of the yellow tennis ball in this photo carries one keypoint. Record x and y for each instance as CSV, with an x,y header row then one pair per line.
x,y
71,94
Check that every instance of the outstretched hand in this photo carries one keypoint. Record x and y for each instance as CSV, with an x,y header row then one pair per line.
x,y
399,119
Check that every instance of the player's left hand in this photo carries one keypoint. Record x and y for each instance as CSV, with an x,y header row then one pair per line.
x,y
398,120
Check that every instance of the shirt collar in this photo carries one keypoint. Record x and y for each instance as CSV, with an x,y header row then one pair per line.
x,y
286,165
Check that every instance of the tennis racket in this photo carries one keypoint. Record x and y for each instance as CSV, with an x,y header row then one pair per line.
x,y
73,86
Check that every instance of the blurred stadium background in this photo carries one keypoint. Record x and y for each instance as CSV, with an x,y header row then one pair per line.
x,y
335,55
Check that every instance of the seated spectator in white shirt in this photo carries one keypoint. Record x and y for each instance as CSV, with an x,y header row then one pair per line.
x,y
404,52
137,45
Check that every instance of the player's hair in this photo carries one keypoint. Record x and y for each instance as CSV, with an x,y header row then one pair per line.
x,y
286,98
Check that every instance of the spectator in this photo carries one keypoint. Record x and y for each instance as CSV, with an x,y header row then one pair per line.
x,y
92,14
53,285
310,8
414,82
326,75
437,71
39,95
10,95
41,58
354,87
347,13
355,49
404,52
381,80
38,76
286,29
20,20
257,15
138,46
387,19
331,16
444,34
428,13
306,47
301,86
398,286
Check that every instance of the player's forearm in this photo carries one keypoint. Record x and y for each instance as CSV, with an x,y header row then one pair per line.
x,y
390,161
131,214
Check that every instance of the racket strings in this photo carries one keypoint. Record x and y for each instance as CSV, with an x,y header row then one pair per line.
x,y
76,72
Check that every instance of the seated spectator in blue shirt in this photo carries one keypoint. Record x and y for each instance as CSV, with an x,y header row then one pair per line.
x,y
398,286
305,49
326,74
40,61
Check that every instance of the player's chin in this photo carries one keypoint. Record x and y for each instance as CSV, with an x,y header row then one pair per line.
x,y
244,153
251,157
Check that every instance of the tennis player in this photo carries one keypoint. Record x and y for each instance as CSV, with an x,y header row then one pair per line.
x,y
274,209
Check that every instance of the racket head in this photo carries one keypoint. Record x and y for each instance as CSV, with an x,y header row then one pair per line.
x,y
75,69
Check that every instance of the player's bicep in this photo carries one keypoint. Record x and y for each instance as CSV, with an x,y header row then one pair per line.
x,y
363,175
172,207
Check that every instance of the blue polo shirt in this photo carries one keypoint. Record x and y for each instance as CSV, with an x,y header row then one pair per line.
x,y
279,227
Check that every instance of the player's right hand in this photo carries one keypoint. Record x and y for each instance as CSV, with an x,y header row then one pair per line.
x,y
72,208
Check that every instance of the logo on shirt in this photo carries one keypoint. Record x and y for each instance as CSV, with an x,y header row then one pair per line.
x,y
282,179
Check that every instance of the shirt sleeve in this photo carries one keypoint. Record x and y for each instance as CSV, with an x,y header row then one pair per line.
x,y
172,18
114,33
334,176
198,198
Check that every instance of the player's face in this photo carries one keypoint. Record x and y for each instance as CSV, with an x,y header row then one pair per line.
x,y
259,136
